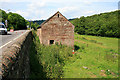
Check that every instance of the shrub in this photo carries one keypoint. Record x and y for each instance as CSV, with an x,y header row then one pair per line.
x,y
51,58
11,27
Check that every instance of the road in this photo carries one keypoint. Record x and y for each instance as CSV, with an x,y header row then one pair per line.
x,y
6,39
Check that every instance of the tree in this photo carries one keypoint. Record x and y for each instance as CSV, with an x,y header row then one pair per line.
x,y
17,21
3,16
104,24
35,26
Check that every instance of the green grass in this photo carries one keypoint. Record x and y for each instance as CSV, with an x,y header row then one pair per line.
x,y
95,57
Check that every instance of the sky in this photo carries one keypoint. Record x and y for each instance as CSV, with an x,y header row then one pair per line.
x,y
43,9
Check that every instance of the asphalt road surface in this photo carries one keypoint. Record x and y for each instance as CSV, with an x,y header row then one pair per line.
x,y
5,39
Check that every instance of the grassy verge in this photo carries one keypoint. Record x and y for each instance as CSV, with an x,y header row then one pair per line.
x,y
48,61
95,57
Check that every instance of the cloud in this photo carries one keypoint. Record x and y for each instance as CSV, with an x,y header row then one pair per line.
x,y
25,14
88,12
59,1
36,9
36,4
87,2
67,9
33,11
43,9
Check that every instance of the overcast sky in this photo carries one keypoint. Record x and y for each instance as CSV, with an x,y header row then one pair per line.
x,y
43,9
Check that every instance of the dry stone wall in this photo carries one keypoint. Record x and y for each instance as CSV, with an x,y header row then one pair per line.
x,y
15,60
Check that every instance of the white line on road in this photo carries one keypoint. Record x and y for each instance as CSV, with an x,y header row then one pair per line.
x,y
12,40
5,44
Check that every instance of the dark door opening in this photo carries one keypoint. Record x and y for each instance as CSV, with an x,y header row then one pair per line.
x,y
51,42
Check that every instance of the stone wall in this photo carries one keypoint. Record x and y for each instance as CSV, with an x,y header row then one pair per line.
x,y
58,29
15,60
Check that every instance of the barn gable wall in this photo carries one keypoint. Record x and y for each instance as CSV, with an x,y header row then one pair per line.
x,y
59,29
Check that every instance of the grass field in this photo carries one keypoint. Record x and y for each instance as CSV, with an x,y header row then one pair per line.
x,y
95,57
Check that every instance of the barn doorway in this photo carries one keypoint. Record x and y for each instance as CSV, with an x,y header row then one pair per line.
x,y
51,42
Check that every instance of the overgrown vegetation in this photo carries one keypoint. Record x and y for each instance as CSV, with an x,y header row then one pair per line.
x,y
104,24
33,25
48,61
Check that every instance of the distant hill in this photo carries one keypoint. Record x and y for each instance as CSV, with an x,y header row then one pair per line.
x,y
103,24
41,21
38,21
71,19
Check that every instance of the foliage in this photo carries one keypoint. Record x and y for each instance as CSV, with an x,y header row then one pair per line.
x,y
17,21
104,24
14,20
38,21
11,27
50,58
3,16
28,28
33,25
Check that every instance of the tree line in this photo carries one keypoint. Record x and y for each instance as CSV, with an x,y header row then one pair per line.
x,y
15,21
33,25
103,24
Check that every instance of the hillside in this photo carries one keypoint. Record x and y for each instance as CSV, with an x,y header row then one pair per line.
x,y
104,24
41,21
38,21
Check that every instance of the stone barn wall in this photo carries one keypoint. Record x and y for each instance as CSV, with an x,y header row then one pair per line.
x,y
57,29
39,34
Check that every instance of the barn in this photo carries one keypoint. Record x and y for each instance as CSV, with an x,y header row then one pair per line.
x,y
56,29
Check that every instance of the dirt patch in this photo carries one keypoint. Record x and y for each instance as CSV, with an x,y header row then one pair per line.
x,y
92,75
103,74
99,45
81,41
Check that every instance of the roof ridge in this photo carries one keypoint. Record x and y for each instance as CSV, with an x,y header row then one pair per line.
x,y
51,17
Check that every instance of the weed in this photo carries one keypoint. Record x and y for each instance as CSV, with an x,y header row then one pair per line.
x,y
94,41
51,58
84,38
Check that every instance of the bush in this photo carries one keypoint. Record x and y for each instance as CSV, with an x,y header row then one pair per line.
x,y
12,27
51,57
28,28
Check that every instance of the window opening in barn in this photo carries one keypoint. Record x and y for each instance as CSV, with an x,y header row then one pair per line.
x,y
51,42
58,15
